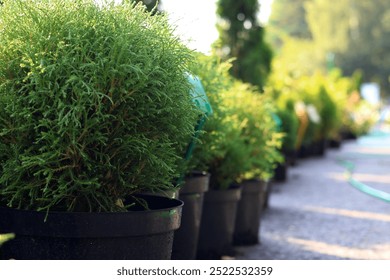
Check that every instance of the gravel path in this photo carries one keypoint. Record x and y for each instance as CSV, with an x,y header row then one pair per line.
x,y
316,214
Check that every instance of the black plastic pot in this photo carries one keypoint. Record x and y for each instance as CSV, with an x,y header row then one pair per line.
x,y
217,224
267,194
305,151
250,206
319,147
290,157
139,234
348,135
280,172
334,143
186,237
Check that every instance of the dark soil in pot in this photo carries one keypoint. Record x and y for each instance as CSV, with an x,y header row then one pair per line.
x,y
139,234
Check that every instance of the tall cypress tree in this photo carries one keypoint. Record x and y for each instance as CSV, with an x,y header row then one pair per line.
x,y
242,37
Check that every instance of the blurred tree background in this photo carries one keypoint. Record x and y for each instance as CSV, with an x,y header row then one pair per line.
x,y
318,34
289,18
242,37
305,36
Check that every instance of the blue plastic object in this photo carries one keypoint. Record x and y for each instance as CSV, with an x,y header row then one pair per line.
x,y
277,120
199,95
202,102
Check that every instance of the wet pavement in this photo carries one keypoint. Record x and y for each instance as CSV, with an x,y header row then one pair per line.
x,y
317,214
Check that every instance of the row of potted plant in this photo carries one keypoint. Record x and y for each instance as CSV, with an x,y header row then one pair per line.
x,y
104,118
239,149
99,109
270,128
319,110
95,112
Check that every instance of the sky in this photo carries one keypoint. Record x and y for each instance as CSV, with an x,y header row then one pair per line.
x,y
195,21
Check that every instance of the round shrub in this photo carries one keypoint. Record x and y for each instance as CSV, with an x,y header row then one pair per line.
x,y
94,104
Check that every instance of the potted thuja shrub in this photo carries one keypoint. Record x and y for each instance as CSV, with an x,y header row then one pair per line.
x,y
220,201
329,120
259,131
94,109
289,125
321,110
211,77
329,101
193,183
222,154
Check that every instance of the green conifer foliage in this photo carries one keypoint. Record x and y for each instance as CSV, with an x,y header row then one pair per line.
x,y
94,104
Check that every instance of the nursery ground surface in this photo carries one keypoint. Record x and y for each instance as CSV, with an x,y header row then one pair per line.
x,y
317,214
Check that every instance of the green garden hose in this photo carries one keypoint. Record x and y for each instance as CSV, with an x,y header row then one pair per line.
x,y
350,166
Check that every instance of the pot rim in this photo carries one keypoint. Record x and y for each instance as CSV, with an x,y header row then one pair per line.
x,y
92,224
